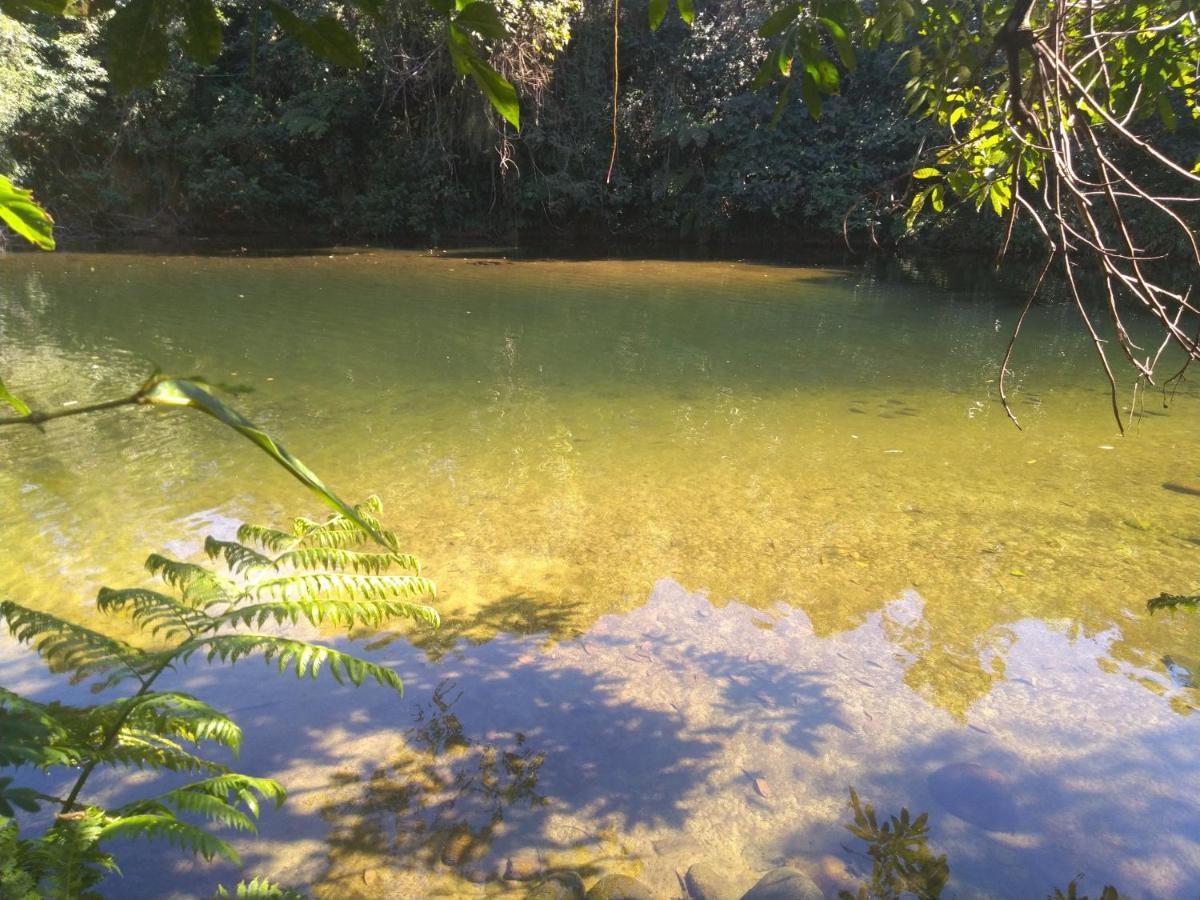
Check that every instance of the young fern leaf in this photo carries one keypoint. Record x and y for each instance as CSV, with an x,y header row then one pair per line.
x,y
367,587
340,560
182,716
206,806
245,789
319,611
306,658
196,584
258,889
238,557
269,539
175,832
67,858
152,611
145,750
69,647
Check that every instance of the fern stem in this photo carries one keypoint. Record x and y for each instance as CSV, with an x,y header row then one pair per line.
x,y
37,417
88,768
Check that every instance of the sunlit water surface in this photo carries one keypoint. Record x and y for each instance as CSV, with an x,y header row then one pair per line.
x,y
714,541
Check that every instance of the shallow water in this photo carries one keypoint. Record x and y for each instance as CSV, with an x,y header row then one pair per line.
x,y
703,531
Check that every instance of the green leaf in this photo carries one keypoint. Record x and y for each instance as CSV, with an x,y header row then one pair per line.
x,y
927,172
203,39
31,222
67,645
501,93
138,51
483,19
173,831
658,12
779,20
687,10
307,659
258,889
14,402
181,392
324,36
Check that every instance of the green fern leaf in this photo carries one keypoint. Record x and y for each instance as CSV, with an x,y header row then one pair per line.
x,y
70,647
366,587
320,611
146,750
182,716
216,799
175,832
238,557
152,611
306,658
268,538
197,585
258,889
340,560
32,733
68,858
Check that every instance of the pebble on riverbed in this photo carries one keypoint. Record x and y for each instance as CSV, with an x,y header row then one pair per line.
x,y
619,887
559,886
708,882
784,883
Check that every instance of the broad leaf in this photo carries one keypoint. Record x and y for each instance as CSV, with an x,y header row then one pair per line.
x,y
501,93
31,222
658,12
324,36
138,51
7,397
482,19
779,20
181,392
687,10
203,40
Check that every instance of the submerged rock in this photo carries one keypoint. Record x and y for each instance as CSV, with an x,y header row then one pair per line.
x,y
977,794
525,865
559,886
619,887
784,883
707,882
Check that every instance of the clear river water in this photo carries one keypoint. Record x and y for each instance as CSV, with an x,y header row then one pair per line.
x,y
714,541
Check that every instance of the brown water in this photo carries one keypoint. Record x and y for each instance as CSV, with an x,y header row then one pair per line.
x,y
693,523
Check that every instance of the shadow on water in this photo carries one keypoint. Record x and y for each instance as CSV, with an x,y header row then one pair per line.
x,y
682,732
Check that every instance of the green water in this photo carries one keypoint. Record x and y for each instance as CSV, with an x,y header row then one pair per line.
x,y
691,490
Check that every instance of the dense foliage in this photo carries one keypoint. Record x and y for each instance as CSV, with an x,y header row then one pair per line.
x,y
312,573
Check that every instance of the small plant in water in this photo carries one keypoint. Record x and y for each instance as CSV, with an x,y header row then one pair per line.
x,y
314,573
901,861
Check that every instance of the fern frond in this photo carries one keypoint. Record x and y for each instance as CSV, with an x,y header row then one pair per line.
x,y
164,826
67,855
183,716
269,539
305,658
258,889
215,798
196,584
143,749
67,646
238,557
319,611
152,611
32,733
340,560
366,587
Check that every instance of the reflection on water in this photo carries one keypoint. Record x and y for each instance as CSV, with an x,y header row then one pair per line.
x,y
898,590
